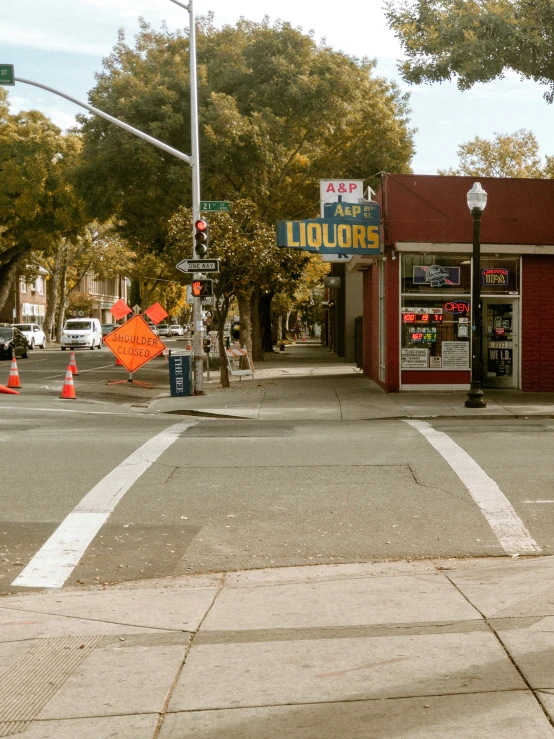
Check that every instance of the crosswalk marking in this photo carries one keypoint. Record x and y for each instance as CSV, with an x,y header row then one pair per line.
x,y
506,525
56,559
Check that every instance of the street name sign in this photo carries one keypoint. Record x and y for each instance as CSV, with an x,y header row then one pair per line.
x,y
367,212
7,75
220,205
198,265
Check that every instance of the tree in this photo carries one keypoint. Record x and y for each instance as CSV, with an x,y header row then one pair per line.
x,y
248,257
507,155
277,112
38,206
474,40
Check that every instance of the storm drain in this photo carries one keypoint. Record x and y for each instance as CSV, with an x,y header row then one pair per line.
x,y
28,686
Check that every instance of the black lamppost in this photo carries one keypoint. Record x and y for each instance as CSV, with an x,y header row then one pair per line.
x,y
476,201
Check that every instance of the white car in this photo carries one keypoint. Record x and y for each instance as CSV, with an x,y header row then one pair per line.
x,y
176,330
33,333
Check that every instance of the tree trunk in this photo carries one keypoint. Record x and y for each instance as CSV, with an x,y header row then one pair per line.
x,y
222,312
257,348
284,327
265,320
243,300
134,293
52,291
61,303
8,273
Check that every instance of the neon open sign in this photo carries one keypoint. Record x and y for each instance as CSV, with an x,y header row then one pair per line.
x,y
457,307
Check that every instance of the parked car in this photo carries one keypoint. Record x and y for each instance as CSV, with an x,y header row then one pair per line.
x,y
12,342
176,330
163,329
33,333
85,332
107,328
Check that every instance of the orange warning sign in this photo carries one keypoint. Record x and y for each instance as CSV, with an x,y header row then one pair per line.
x,y
134,343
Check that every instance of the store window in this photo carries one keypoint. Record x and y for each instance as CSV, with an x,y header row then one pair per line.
x,y
499,275
432,273
435,333
435,313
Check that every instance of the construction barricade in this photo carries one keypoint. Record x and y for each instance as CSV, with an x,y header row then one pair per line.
x,y
238,362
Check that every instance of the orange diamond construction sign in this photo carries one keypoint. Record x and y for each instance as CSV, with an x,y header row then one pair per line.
x,y
134,343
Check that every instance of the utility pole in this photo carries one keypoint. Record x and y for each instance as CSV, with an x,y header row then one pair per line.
x,y
195,169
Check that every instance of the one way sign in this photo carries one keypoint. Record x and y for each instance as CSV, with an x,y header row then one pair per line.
x,y
198,265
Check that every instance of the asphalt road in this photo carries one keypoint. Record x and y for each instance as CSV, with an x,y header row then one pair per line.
x,y
214,495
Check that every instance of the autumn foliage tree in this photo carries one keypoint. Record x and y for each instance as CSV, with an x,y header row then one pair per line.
x,y
506,155
38,205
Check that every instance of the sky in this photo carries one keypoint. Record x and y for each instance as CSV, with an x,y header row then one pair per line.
x,y
61,43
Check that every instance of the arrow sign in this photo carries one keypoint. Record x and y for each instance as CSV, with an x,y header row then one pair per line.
x,y
198,265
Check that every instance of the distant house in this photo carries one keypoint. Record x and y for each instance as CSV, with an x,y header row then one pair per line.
x,y
27,300
105,292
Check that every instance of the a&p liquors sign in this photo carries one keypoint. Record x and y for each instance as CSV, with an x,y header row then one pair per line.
x,y
350,191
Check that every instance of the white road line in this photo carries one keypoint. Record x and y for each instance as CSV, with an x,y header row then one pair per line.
x,y
72,410
56,559
506,525
537,501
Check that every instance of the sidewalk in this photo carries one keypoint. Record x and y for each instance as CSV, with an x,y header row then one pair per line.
x,y
307,382
420,650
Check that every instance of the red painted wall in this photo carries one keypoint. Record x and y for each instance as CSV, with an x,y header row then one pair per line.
x,y
430,208
447,377
392,323
537,325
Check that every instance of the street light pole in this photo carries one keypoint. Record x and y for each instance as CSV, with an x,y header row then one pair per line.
x,y
195,170
476,200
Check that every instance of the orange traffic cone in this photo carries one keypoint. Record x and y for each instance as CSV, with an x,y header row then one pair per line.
x,y
13,379
7,390
68,390
118,362
73,364
189,347
303,338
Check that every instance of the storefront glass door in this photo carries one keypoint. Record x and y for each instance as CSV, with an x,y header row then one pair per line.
x,y
500,342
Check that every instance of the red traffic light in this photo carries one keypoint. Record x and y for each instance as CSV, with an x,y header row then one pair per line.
x,y
201,225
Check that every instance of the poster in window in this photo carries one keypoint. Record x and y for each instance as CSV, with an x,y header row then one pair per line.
x,y
455,354
415,358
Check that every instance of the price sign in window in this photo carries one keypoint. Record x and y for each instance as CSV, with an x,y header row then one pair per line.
x,y
428,322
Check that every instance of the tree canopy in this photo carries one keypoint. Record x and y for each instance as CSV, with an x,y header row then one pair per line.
x,y
38,206
277,112
506,155
475,40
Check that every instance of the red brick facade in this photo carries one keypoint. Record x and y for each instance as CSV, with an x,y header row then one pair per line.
x,y
537,325
428,215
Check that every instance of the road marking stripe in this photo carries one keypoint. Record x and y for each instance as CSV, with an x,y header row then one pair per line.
x,y
73,410
56,559
506,525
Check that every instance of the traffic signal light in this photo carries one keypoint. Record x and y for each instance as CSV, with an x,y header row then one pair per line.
x,y
202,288
201,235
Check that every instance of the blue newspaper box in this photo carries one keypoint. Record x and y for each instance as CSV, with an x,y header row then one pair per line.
x,y
180,374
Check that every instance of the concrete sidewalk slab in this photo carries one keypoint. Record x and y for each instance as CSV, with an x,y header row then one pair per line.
x,y
508,588
318,671
155,609
506,715
416,598
122,727
117,679
18,624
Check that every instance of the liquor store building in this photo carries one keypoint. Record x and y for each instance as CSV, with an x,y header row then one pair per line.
x,y
417,296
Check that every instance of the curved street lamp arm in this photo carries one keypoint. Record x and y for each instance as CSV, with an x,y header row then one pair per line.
x,y
125,126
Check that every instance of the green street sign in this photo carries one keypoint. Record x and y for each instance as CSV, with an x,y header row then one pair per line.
x,y
7,75
224,205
